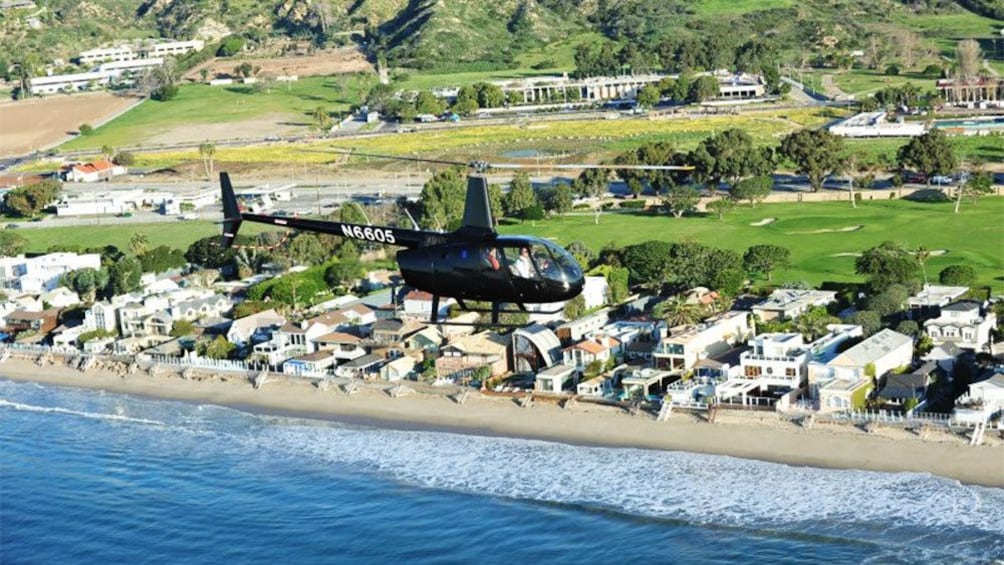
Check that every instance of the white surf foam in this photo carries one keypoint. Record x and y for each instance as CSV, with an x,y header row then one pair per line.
x,y
113,417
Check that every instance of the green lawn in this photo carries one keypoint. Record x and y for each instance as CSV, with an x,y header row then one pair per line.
x,y
173,234
860,82
203,104
974,237
948,29
714,7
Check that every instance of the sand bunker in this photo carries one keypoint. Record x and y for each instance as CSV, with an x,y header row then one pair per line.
x,y
828,230
846,255
937,252
764,222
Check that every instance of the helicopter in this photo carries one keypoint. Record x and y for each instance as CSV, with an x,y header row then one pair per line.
x,y
473,262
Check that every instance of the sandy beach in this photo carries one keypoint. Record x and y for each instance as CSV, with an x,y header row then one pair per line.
x,y
753,435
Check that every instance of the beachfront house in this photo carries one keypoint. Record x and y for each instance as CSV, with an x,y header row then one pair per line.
x,y
256,327
929,301
644,382
904,389
35,275
394,332
427,341
361,367
685,345
60,297
967,324
597,387
418,304
317,364
555,379
776,360
398,369
597,349
342,345
844,394
462,357
944,355
790,303
31,326
866,362
357,316
576,330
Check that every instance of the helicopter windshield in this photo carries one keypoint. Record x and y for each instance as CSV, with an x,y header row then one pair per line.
x,y
541,261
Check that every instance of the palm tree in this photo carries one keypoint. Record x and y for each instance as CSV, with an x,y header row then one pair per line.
x,y
678,312
923,254
139,243
207,151
25,71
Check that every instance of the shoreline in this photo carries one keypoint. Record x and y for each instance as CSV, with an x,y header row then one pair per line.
x,y
749,435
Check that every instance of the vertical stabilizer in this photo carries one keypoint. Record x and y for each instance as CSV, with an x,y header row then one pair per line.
x,y
231,211
477,210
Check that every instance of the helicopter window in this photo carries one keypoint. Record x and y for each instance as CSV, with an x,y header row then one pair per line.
x,y
520,262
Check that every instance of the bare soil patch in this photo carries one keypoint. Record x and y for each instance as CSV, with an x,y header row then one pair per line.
x,y
335,61
257,128
28,125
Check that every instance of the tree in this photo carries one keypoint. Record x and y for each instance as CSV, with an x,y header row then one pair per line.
x,y
11,243
207,252
521,196
182,328
958,275
29,201
428,103
162,258
816,154
648,262
978,185
86,282
908,327
575,308
720,206
704,88
889,301
754,189
139,243
467,100
729,156
766,258
124,276
442,199
648,96
124,158
218,348
342,274
968,59
562,198
886,264
230,46
591,182
617,284
869,321
812,323
25,69
489,95
85,129
322,119
931,154
207,151
678,312
495,202
681,199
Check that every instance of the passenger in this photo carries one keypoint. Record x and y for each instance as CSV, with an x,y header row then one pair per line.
x,y
523,266
493,259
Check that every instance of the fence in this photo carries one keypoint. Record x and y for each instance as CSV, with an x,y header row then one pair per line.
x,y
889,417
203,363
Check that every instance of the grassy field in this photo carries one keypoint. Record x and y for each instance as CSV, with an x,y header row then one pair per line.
x,y
173,234
861,82
945,30
202,104
973,237
731,7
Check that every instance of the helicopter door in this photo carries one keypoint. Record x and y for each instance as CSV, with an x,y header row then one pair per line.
x,y
523,272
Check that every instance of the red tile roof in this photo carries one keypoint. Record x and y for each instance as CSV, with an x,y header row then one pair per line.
x,y
94,167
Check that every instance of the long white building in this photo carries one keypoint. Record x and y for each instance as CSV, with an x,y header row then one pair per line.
x,y
41,274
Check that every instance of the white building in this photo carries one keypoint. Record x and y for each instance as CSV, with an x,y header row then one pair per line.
x,y
790,303
173,48
867,360
117,53
116,69
874,124
243,329
688,344
934,296
69,82
41,274
963,324
111,202
777,360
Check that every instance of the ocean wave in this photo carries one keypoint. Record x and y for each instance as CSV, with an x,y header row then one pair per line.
x,y
111,417
914,510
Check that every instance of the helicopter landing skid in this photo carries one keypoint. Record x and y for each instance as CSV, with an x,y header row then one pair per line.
x,y
495,311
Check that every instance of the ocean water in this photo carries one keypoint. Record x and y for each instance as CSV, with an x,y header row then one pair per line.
x,y
89,477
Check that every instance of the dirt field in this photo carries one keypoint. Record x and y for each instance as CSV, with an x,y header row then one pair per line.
x,y
345,60
27,125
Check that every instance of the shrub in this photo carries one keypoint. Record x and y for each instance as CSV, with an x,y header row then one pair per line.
x,y
124,158
634,204
892,70
164,93
86,129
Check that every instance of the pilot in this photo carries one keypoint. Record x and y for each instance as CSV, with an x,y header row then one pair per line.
x,y
523,266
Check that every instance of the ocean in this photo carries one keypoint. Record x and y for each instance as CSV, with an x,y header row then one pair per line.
x,y
91,477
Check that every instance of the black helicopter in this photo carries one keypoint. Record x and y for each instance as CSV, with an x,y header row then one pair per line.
x,y
472,262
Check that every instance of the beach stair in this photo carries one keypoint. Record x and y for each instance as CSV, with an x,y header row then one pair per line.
x,y
351,388
4,356
665,412
570,403
188,373
461,397
978,432
86,363
324,384
133,367
399,390
260,379
526,401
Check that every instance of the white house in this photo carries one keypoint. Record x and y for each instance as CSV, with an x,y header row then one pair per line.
x,y
962,323
344,346
687,344
316,364
60,297
868,360
102,169
242,330
599,348
596,387
555,379
790,303
418,304
41,274
398,369
989,392
776,360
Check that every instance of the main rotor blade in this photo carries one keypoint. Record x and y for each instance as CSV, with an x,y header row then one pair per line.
x,y
584,166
